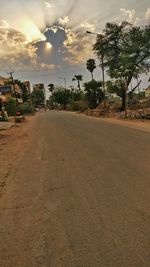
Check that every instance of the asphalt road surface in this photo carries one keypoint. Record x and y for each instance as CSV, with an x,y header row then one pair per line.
x,y
79,196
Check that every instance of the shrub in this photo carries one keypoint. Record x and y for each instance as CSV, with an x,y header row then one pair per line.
x,y
11,107
26,108
79,105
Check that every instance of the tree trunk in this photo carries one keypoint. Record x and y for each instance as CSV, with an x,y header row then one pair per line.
x,y
79,85
92,76
64,106
123,101
126,99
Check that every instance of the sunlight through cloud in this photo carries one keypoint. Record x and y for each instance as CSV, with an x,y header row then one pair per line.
x,y
31,31
48,46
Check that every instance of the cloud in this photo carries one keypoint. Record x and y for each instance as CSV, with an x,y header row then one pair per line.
x,y
4,24
68,47
147,14
130,15
17,52
56,35
88,26
63,21
11,41
78,47
24,60
49,5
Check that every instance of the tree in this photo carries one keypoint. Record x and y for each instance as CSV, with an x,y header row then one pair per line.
x,y
91,66
11,107
37,97
79,79
62,96
51,87
93,93
126,52
117,86
76,94
25,93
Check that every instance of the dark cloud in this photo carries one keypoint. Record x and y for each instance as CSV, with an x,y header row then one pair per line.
x,y
56,38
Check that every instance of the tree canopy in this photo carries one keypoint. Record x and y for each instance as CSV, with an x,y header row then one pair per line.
x,y
65,97
37,97
93,93
91,66
79,79
51,87
126,50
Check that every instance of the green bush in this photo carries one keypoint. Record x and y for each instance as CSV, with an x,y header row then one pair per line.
x,y
26,108
11,107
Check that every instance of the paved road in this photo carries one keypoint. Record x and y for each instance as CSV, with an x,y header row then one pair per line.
x,y
79,196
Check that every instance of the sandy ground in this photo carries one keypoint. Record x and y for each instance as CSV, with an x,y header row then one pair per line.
x,y
76,194
13,143
143,125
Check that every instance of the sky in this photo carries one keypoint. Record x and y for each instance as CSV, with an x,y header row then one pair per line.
x,y
46,41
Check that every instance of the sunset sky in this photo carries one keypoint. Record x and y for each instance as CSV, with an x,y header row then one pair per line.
x,y
45,41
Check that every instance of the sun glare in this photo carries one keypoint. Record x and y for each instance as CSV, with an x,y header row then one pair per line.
x,y
48,45
32,31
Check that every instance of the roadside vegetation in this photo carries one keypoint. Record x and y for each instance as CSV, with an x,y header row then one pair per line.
x,y
123,50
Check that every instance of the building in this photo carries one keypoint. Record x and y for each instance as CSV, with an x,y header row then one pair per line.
x,y
8,88
28,86
5,81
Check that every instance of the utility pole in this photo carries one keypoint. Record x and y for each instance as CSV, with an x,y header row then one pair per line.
x,y
12,80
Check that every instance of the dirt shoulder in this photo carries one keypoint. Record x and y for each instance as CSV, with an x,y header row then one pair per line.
x,y
135,124
13,143
143,125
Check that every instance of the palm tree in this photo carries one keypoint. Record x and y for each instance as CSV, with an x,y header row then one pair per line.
x,y
51,87
91,66
79,79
